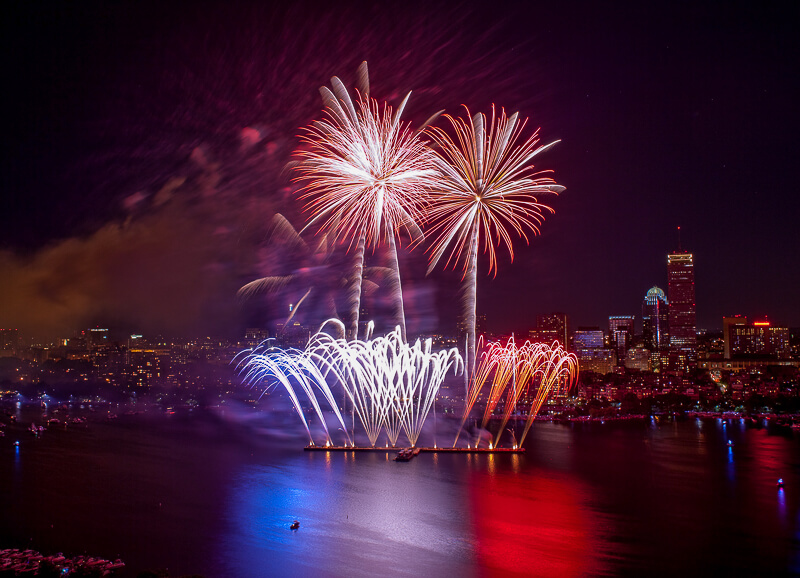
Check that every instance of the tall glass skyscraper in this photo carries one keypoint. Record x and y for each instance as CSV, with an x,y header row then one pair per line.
x,y
655,320
682,322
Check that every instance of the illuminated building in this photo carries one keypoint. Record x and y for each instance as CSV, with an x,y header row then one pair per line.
x,y
620,333
638,358
148,365
254,336
588,338
589,347
727,322
682,320
759,338
94,337
655,320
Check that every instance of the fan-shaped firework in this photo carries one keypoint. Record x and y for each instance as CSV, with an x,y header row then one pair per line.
x,y
392,385
270,366
486,191
528,373
366,177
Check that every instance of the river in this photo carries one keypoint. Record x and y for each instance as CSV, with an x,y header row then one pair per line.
x,y
198,494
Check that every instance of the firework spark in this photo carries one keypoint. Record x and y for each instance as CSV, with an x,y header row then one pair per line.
x,y
366,177
487,190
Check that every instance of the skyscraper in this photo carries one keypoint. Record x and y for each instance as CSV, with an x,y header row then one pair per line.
x,y
682,322
620,332
554,327
655,320
727,323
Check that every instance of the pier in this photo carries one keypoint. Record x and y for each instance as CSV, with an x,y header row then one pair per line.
x,y
422,450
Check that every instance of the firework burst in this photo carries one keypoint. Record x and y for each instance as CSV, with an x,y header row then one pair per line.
x,y
487,191
366,177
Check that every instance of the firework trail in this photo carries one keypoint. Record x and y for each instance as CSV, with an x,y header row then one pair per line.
x,y
527,373
366,179
487,188
315,274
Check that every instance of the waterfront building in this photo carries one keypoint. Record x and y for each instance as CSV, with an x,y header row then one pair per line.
x,y
600,361
682,315
589,346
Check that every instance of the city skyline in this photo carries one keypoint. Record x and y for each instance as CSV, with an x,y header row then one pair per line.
x,y
149,210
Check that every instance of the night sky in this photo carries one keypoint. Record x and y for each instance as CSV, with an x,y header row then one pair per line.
x,y
144,149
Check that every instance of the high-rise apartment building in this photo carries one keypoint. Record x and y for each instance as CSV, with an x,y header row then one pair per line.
x,y
682,319
551,327
655,320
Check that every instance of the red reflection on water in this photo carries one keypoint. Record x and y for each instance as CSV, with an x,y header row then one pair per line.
x,y
534,525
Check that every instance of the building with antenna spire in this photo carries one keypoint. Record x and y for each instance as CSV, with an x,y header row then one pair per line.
x,y
682,316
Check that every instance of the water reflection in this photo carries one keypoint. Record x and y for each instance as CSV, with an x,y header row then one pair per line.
x,y
369,515
536,524
731,470
621,499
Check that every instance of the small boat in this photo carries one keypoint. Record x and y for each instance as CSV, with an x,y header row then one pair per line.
x,y
730,444
295,525
404,455
780,482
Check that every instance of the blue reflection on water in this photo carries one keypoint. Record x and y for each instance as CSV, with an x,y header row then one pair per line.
x,y
731,467
356,517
